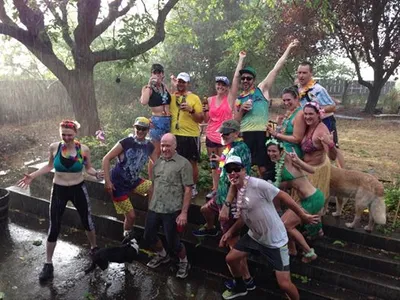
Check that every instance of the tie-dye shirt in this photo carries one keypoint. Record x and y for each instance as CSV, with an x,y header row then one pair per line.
x,y
135,157
257,118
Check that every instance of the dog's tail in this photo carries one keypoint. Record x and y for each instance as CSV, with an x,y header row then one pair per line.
x,y
378,210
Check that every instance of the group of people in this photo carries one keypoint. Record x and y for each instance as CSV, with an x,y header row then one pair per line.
x,y
293,163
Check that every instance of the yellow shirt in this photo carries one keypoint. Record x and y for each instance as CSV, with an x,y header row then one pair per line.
x,y
186,125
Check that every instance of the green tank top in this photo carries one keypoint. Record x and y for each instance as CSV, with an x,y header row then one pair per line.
x,y
287,124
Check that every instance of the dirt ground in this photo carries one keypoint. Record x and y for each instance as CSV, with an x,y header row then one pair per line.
x,y
369,145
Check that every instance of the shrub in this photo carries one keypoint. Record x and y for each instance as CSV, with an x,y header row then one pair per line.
x,y
391,101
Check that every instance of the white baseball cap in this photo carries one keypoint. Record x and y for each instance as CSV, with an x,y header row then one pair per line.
x,y
184,76
234,160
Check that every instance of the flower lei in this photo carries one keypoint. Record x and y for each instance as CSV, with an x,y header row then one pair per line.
x,y
78,157
242,201
243,94
278,170
225,153
307,88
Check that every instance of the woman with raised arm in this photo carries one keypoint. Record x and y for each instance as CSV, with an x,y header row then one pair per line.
x,y
290,170
156,95
68,158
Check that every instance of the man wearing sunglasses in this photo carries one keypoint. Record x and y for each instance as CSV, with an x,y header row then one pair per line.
x,y
186,114
132,153
267,235
252,109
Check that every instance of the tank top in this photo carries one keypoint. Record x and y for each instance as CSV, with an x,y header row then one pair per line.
x,y
288,130
217,115
69,165
158,99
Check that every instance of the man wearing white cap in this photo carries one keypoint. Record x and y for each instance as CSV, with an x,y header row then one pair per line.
x,y
186,114
267,235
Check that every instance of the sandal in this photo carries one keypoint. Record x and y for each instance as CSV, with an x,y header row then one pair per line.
x,y
310,256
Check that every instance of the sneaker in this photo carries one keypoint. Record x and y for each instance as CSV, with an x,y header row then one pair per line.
x,y
183,269
203,231
250,284
47,272
211,194
194,191
232,294
158,260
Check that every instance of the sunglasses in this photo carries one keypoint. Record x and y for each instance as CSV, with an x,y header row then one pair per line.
x,y
233,168
247,78
140,128
227,133
67,134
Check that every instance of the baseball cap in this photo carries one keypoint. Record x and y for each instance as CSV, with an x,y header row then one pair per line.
x,y
229,126
233,159
183,76
249,70
157,68
142,121
223,79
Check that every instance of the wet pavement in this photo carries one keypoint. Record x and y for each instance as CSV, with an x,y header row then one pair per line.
x,y
21,262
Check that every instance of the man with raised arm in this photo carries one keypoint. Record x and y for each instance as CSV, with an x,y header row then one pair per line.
x,y
252,108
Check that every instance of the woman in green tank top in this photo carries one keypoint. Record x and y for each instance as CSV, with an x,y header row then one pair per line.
x,y
293,125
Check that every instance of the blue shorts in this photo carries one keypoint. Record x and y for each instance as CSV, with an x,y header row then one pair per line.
x,y
160,126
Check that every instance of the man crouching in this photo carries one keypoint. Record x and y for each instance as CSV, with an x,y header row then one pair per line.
x,y
267,234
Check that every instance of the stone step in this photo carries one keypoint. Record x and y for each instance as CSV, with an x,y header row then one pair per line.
x,y
331,282
376,260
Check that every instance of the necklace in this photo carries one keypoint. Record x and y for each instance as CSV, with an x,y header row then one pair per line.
x,y
225,153
308,87
278,170
66,153
242,95
242,201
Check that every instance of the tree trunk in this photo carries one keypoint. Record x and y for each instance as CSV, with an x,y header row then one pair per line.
x,y
344,94
80,88
373,98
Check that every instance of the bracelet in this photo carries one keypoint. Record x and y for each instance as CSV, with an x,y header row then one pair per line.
x,y
227,204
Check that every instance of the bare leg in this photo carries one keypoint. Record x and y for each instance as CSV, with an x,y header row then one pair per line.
x,y
209,215
91,235
234,261
286,284
243,263
50,246
339,158
129,220
157,151
195,171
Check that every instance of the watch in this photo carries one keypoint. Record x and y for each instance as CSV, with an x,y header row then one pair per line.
x,y
228,204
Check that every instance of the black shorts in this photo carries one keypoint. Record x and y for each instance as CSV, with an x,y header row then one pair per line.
x,y
211,144
330,122
255,140
168,221
188,147
277,257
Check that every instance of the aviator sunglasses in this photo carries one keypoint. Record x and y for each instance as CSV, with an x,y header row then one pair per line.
x,y
141,128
